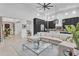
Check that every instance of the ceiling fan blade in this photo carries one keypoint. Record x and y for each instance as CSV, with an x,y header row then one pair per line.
x,y
44,8
44,4
48,4
47,8
40,4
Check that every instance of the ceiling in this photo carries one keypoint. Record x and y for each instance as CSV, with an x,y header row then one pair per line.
x,y
58,6
22,10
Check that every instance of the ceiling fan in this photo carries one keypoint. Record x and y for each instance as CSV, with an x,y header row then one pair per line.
x,y
45,6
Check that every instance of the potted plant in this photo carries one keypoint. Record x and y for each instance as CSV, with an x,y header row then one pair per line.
x,y
74,30
76,36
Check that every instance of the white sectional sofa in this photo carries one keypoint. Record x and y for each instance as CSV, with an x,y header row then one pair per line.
x,y
55,34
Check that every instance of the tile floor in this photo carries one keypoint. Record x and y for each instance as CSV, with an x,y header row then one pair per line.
x,y
13,47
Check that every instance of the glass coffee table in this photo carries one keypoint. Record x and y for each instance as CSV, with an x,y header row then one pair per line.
x,y
37,51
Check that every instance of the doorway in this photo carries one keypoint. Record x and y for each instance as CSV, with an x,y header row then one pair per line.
x,y
7,30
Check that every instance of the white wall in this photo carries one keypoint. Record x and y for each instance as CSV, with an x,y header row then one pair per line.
x,y
18,28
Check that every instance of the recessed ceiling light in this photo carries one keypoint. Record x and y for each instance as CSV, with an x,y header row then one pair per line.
x,y
38,14
73,12
52,16
66,13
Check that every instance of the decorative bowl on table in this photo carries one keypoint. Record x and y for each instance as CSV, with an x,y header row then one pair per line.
x,y
36,44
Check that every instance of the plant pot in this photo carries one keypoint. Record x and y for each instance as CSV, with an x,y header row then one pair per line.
x,y
67,52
